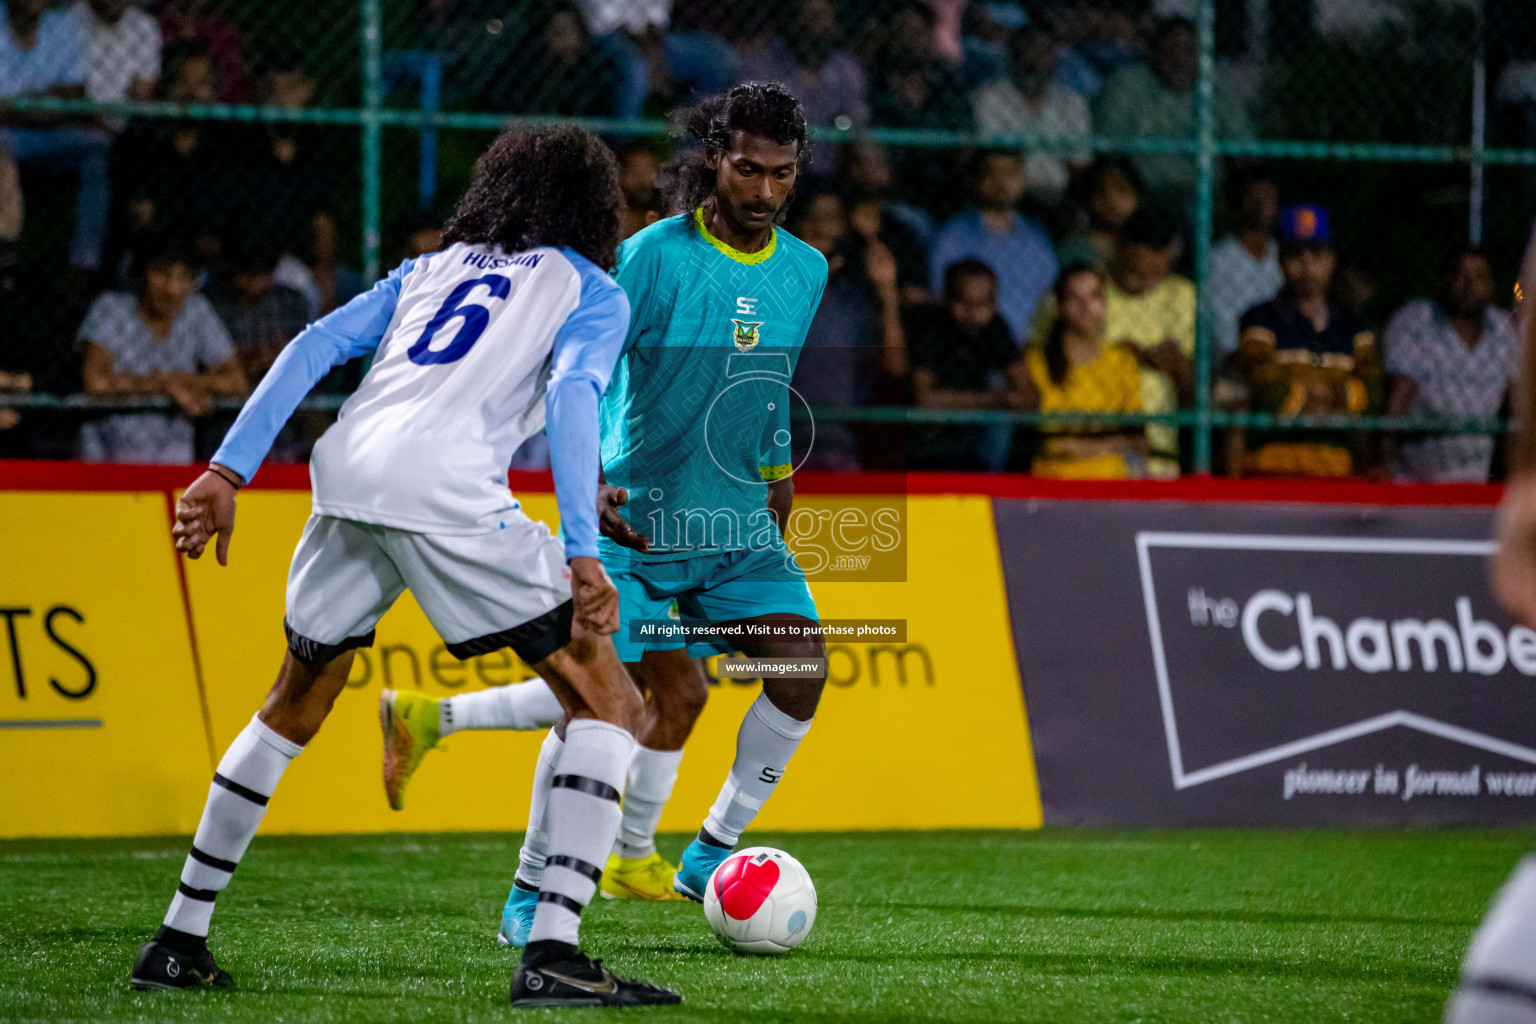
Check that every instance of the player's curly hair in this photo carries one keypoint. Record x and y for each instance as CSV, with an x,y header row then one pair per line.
x,y
765,109
546,186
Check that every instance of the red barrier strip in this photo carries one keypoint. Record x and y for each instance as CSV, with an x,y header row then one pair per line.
x,y
24,475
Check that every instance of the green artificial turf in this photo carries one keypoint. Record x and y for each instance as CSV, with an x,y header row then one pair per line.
x,y
1203,927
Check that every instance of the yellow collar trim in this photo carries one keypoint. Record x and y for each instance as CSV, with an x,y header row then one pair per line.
x,y
749,258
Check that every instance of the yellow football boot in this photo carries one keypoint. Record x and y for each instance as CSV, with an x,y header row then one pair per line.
x,y
409,721
639,878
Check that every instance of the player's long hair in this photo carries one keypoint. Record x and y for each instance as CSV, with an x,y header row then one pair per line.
x,y
549,186
765,109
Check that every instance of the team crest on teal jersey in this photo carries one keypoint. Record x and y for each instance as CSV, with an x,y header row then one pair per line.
x,y
746,335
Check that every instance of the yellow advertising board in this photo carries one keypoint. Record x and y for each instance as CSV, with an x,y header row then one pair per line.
x,y
101,727
900,721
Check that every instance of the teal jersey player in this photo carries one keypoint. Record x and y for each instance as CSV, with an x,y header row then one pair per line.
x,y
696,423
697,416
696,432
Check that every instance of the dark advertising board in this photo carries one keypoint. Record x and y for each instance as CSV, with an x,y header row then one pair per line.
x,y
1266,664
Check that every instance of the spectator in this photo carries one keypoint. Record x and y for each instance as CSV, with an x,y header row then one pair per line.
x,y
1078,369
639,178
10,419
1017,250
193,24
175,174
1099,37
870,218
290,181
653,206
568,73
1245,265
190,76
43,52
165,340
914,87
1152,310
1156,100
639,170
1030,102
1451,357
855,349
808,58
261,315
653,61
12,209
16,350
985,31
415,237
963,357
1355,287
467,45
123,43
1111,191
1301,354
906,229
335,283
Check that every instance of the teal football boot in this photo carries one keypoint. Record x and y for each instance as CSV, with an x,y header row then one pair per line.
x,y
700,860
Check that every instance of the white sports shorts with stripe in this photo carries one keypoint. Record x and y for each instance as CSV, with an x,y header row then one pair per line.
x,y
509,587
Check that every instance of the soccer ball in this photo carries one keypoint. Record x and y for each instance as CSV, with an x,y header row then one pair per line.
x,y
760,900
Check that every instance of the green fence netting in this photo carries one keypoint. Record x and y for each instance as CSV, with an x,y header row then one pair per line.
x,y
1293,224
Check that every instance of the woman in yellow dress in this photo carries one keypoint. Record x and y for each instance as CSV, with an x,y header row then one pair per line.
x,y
1076,369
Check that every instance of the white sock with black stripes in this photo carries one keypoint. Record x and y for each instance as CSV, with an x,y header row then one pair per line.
x,y
237,800
520,706
583,818
767,740
530,859
652,775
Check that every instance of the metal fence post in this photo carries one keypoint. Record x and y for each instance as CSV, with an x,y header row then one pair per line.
x,y
1477,185
1205,128
372,120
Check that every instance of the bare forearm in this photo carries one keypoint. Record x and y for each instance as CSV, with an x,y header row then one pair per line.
x,y
781,501
1092,447
136,384
893,356
222,382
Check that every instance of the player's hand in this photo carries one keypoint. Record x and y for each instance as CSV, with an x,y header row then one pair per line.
x,y
204,511
614,526
595,599
1514,563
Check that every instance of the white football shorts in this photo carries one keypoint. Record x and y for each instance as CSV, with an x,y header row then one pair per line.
x,y
484,591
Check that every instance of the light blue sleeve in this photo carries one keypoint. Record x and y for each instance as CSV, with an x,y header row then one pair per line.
x,y
353,330
585,352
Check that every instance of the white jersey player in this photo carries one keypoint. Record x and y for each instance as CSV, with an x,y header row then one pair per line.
x,y
514,325
1498,977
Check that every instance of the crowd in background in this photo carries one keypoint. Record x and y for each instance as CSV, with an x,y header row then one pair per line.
x,y
1031,278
